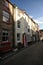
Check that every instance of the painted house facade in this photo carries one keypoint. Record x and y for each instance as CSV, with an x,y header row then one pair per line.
x,y
26,30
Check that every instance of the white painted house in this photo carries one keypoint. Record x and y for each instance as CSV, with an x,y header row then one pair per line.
x,y
22,27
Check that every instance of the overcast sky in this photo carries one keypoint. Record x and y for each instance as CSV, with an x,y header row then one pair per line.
x,y
33,7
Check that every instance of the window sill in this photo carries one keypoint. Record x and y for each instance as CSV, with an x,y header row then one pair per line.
x,y
6,22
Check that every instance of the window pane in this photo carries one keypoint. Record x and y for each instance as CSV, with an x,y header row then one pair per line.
x,y
28,30
6,33
6,14
5,36
18,24
5,19
18,36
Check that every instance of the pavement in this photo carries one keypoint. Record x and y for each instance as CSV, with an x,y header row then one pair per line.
x,y
9,54
32,55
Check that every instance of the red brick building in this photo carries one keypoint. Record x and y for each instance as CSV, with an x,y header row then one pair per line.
x,y
6,25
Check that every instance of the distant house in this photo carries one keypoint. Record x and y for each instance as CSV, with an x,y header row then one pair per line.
x,y
35,30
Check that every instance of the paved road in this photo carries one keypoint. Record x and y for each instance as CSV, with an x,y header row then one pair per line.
x,y
33,55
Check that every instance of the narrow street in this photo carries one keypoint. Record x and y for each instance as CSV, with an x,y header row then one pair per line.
x,y
21,32
33,55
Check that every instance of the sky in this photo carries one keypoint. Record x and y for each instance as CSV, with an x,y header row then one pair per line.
x,y
34,8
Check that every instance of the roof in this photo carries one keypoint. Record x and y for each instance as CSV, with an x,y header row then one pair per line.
x,y
11,3
41,29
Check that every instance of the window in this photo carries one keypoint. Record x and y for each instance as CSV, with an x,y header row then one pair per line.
x,y
18,36
19,12
5,36
28,30
18,24
6,3
5,16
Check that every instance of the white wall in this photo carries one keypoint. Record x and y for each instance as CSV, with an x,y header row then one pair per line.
x,y
25,24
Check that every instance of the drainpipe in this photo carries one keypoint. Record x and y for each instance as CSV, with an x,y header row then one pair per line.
x,y
13,30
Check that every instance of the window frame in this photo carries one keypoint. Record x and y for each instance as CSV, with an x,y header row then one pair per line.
x,y
18,24
28,30
6,16
18,38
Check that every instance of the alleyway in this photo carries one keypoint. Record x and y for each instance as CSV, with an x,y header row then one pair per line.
x,y
33,55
